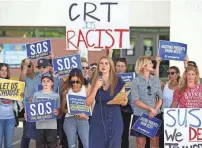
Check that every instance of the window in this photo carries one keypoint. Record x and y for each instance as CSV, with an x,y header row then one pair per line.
x,y
33,32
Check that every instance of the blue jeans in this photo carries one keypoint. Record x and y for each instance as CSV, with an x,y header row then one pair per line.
x,y
73,127
7,127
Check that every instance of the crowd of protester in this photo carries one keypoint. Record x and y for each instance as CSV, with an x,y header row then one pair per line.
x,y
109,125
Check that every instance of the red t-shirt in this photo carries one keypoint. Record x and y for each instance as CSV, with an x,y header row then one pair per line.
x,y
191,98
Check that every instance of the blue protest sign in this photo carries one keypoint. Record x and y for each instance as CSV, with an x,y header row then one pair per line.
x,y
38,49
12,54
172,50
63,65
127,78
146,126
77,105
41,110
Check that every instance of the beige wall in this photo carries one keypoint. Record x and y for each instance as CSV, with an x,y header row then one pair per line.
x,y
143,13
186,27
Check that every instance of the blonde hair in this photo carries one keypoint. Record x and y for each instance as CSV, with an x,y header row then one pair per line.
x,y
83,59
23,62
141,63
112,75
183,82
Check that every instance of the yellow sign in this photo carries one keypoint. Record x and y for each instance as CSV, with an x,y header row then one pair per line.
x,y
11,89
119,98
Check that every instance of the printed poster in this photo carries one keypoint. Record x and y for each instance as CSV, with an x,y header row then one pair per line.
x,y
11,89
41,110
172,50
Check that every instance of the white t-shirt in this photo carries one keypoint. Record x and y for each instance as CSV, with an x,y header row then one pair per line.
x,y
81,93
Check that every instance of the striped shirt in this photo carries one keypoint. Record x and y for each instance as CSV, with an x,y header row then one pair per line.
x,y
145,91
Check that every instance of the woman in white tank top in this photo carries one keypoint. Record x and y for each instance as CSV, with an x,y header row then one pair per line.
x,y
75,125
168,89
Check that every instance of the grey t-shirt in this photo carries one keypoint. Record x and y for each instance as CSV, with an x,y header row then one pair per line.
x,y
39,96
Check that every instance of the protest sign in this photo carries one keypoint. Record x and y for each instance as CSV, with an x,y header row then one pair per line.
x,y
39,49
182,127
98,25
146,126
12,54
63,65
172,50
42,110
127,78
77,105
10,89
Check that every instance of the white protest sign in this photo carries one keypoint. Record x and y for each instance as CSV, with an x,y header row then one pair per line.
x,y
97,25
182,128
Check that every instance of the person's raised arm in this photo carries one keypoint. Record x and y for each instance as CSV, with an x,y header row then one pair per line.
x,y
110,53
158,62
93,91
186,60
64,102
23,73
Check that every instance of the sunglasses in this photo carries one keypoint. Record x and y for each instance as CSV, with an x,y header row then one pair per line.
x,y
74,82
42,67
171,73
29,66
85,68
149,90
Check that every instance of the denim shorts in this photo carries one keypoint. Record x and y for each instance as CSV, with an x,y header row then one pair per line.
x,y
137,134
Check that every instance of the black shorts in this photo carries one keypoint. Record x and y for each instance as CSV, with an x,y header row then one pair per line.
x,y
46,138
137,134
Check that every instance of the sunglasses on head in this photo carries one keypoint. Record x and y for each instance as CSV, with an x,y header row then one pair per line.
x,y
171,73
149,90
42,67
74,82
85,68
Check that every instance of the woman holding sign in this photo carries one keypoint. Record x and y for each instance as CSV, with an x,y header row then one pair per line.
x,y
7,117
145,89
106,126
75,124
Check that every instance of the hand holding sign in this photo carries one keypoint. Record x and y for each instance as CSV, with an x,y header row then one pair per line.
x,y
38,49
64,65
56,112
42,110
120,97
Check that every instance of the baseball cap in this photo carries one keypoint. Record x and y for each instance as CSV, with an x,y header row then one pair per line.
x,y
43,62
47,75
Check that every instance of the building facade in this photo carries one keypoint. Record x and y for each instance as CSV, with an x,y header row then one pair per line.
x,y
150,21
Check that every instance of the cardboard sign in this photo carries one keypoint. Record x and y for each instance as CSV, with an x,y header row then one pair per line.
x,y
182,127
146,126
172,50
97,25
63,65
12,54
77,105
42,110
39,49
10,89
127,78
